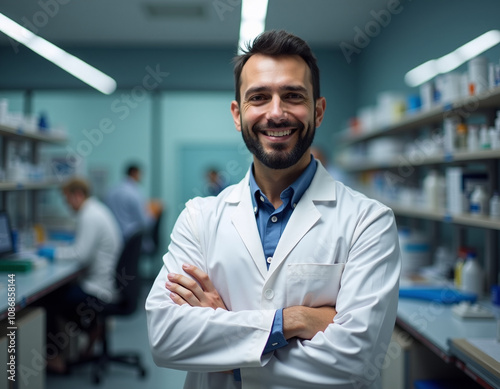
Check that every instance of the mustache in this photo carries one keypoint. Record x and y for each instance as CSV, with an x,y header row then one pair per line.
x,y
273,125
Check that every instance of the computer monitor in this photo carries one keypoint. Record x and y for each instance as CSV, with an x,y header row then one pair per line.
x,y
6,239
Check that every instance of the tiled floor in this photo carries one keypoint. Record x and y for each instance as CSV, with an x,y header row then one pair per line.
x,y
129,334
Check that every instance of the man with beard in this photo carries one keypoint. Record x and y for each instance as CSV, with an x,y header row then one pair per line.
x,y
288,279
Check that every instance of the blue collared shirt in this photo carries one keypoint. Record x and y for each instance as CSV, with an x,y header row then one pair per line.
x,y
271,223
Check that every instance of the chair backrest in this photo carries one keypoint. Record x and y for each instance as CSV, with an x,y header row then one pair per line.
x,y
128,280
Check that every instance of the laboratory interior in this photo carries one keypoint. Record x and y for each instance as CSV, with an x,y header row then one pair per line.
x,y
101,99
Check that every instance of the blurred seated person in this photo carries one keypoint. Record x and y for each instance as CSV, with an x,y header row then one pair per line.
x,y
131,209
97,245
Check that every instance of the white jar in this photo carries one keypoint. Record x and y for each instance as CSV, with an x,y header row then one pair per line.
x,y
478,75
472,276
479,201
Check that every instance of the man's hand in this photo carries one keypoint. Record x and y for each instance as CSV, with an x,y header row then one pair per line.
x,y
197,291
305,322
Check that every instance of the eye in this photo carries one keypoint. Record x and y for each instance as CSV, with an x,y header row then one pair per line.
x,y
257,98
294,96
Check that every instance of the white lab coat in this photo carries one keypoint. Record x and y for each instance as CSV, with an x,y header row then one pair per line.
x,y
339,248
98,244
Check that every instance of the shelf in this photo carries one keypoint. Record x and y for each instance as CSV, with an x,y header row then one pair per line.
x,y
19,133
463,219
468,105
403,160
13,186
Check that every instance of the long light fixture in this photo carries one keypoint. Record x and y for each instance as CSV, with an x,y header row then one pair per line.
x,y
73,65
453,60
253,21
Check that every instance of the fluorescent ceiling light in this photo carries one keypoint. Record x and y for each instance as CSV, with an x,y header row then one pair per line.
x,y
453,60
73,65
253,21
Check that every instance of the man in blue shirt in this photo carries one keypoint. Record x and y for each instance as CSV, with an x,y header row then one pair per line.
x,y
288,279
131,209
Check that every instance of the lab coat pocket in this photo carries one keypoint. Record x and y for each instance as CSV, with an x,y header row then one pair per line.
x,y
313,285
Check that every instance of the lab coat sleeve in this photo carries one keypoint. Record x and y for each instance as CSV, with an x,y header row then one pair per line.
x,y
353,348
200,338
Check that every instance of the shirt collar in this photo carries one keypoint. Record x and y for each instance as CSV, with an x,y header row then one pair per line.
x,y
298,187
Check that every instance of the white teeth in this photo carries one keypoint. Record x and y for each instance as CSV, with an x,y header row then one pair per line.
x,y
279,133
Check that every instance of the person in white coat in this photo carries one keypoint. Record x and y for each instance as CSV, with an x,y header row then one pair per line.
x,y
288,279
97,246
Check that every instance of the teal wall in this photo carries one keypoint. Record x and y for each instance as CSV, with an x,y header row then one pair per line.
x,y
423,30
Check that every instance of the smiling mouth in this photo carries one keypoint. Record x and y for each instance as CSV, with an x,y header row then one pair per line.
x,y
278,133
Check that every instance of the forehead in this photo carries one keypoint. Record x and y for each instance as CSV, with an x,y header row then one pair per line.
x,y
263,70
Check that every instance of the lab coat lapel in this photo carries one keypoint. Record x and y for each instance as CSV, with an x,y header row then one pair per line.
x,y
243,219
305,215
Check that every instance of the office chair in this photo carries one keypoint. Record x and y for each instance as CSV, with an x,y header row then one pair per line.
x,y
152,251
128,283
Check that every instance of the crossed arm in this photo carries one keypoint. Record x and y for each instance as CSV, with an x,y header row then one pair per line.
x,y
298,321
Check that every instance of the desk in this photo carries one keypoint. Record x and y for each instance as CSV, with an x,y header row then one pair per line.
x,y
38,282
435,326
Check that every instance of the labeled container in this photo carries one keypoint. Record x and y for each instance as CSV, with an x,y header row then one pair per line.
x,y
479,201
478,75
484,137
434,191
472,275
415,251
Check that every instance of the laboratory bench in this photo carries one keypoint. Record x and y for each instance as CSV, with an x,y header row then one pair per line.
x,y
469,344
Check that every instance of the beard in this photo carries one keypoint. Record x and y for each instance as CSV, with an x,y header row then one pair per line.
x,y
278,157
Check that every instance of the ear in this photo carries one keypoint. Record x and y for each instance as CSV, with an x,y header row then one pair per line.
x,y
235,111
320,110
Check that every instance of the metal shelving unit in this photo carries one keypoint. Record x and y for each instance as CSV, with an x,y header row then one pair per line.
x,y
484,104
13,134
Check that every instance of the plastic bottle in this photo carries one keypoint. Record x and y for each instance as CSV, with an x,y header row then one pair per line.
x,y
494,138
459,264
473,138
461,138
479,201
478,75
484,137
495,206
431,190
472,275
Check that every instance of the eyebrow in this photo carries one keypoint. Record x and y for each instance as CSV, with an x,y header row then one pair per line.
x,y
289,88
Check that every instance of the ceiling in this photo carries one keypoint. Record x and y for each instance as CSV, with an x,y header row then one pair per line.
x,y
133,23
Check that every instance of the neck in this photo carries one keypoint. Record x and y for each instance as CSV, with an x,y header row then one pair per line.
x,y
274,181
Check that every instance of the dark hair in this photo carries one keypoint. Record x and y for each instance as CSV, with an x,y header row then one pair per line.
x,y
132,168
276,43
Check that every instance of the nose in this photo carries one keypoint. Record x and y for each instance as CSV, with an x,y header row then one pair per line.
x,y
276,110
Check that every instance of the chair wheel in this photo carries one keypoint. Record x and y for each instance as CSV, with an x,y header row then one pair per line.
x,y
142,372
